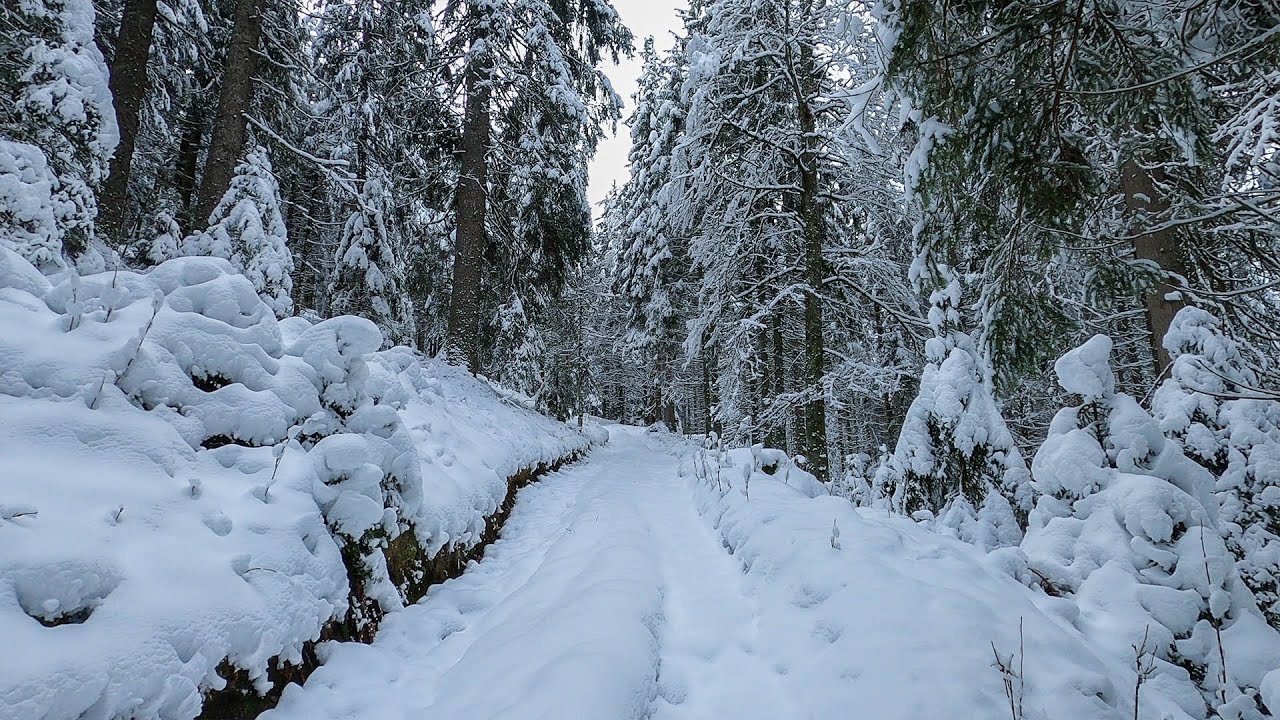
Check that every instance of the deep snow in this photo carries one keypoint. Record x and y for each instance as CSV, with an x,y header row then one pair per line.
x,y
637,585
178,472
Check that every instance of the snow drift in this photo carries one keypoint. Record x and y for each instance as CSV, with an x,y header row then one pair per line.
x,y
187,482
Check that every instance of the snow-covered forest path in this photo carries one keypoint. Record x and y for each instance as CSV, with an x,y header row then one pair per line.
x,y
607,596
612,595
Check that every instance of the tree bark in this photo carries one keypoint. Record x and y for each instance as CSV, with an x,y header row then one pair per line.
x,y
128,83
188,163
814,223
471,205
1160,248
777,383
230,125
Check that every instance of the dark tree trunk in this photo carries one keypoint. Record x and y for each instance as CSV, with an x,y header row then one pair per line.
x,y
230,125
708,401
472,209
184,175
777,436
1161,248
812,217
128,91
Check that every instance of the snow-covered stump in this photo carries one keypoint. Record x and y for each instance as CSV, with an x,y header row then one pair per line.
x,y
196,494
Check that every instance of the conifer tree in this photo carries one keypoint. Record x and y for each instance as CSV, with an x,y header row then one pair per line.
x,y
54,98
368,274
248,229
653,262
954,454
1125,517
534,103
1213,405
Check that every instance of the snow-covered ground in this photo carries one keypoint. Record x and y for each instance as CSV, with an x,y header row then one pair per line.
x,y
179,473
634,585
186,482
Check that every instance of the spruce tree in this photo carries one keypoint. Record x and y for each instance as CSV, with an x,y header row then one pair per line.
x,y
653,262
368,273
955,457
534,106
1214,407
55,98
247,228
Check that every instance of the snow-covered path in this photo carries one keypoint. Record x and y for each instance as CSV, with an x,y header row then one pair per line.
x,y
607,596
562,619
612,594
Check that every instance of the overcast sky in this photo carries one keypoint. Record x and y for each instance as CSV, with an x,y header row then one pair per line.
x,y
645,17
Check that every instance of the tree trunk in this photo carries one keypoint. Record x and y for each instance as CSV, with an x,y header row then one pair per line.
x,y
128,91
472,209
1161,248
812,216
184,175
230,125
776,363
707,400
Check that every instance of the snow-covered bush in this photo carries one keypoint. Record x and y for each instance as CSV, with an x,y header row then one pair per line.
x,y
1126,526
955,458
247,229
1212,406
189,486
29,206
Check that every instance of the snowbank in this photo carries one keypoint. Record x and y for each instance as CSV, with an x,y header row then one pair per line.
x,y
872,614
185,480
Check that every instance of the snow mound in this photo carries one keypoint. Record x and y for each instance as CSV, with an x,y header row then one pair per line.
x,y
870,614
183,475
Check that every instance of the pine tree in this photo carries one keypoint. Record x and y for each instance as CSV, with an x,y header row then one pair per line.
x,y
247,229
368,274
54,97
954,453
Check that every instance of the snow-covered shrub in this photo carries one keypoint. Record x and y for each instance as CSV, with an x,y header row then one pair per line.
x,y
247,229
59,102
1126,527
29,206
1212,406
955,458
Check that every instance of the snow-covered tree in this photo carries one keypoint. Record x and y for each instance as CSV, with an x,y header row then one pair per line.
x,y
1067,158
534,105
30,206
1128,525
247,228
785,195
653,261
1213,405
955,458
54,98
368,274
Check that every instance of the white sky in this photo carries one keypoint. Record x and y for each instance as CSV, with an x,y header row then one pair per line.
x,y
645,17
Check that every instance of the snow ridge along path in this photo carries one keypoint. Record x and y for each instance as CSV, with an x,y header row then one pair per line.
x,y
613,594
